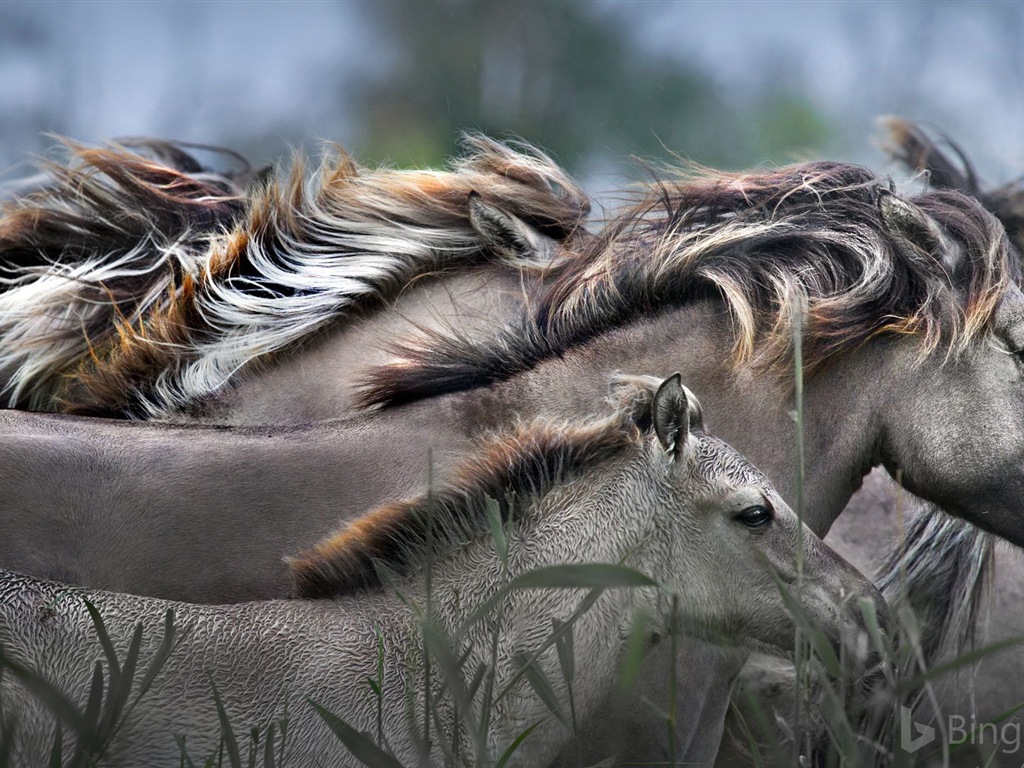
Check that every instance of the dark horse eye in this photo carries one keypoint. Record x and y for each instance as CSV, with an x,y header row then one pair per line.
x,y
755,517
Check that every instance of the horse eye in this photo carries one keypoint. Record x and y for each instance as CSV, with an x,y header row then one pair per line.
x,y
755,517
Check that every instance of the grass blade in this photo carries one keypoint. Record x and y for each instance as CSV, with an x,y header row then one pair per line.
x,y
108,647
163,653
227,732
52,698
542,687
566,652
91,740
268,749
510,750
493,511
359,744
961,661
186,759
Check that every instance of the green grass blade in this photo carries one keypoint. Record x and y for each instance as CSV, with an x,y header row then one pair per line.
x,y
510,750
50,696
535,676
585,605
227,732
493,512
268,749
636,648
961,661
451,667
91,741
162,655
117,698
359,744
107,645
186,759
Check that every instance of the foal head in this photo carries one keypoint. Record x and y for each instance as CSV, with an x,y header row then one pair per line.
x,y
708,525
724,540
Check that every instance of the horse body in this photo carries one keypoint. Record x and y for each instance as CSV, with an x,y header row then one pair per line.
x,y
165,492
908,360
672,502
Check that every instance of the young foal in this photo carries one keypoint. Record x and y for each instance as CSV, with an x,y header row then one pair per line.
x,y
645,487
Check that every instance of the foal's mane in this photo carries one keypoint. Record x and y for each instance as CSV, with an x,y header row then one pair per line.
x,y
294,256
513,470
813,235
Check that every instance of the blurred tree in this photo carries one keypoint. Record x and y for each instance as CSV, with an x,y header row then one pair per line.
x,y
564,75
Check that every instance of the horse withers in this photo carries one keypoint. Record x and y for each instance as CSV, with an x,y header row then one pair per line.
x,y
645,488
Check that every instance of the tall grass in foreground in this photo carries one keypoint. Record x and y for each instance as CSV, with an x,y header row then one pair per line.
x,y
827,712
846,718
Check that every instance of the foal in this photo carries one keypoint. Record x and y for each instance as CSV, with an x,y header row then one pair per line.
x,y
646,488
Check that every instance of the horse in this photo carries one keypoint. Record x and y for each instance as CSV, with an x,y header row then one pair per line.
x,y
646,487
709,274
179,280
984,611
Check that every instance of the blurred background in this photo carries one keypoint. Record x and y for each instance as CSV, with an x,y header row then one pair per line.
x,y
727,84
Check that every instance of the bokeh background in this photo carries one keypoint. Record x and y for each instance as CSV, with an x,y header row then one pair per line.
x,y
727,84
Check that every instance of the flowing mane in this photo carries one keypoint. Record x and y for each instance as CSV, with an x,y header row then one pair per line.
x,y
511,470
829,237
94,241
292,257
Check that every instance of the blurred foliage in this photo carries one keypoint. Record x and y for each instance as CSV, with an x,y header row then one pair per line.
x,y
563,75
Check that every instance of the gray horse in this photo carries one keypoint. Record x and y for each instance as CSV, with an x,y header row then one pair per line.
x,y
137,287
664,498
703,274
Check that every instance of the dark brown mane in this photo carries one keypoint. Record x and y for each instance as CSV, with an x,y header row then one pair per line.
x,y
909,144
109,201
511,470
814,235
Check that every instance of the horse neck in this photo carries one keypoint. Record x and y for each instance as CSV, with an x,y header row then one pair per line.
x,y
582,522
750,410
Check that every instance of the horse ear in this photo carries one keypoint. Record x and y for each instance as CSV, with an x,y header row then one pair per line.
x,y
508,236
907,224
674,414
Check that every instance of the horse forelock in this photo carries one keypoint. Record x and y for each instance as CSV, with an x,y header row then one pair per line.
x,y
308,253
513,471
808,238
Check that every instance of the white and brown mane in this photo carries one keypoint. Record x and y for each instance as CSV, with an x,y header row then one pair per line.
x,y
828,237
138,286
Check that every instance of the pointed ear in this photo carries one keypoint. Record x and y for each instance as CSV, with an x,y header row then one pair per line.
x,y
671,412
509,237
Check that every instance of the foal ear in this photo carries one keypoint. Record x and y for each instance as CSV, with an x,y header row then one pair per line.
x,y
674,411
508,236
907,224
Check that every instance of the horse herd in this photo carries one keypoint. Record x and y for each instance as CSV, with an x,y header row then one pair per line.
x,y
319,417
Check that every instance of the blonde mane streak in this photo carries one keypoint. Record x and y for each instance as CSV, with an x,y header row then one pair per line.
x,y
512,471
827,239
308,254
93,243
